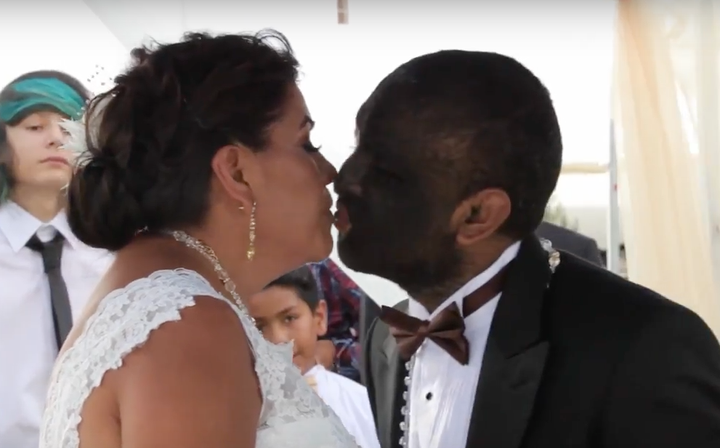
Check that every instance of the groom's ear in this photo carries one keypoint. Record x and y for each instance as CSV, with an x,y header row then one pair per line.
x,y
481,215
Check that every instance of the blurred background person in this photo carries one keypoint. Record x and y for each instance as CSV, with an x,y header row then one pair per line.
x,y
46,273
339,349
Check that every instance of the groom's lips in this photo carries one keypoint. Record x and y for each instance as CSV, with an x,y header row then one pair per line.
x,y
342,219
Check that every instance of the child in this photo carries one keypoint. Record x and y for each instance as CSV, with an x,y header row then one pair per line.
x,y
289,309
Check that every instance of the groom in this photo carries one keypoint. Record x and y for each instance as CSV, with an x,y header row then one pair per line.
x,y
511,344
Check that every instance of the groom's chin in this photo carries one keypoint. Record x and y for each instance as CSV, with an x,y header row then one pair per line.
x,y
370,259
358,256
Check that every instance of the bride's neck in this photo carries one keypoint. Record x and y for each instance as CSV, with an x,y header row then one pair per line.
x,y
249,276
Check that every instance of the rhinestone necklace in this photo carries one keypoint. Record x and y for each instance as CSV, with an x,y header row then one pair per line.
x,y
209,254
553,262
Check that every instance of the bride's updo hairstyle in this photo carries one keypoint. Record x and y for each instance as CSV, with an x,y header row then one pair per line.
x,y
151,139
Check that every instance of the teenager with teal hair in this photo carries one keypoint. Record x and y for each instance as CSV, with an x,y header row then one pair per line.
x,y
46,273
31,110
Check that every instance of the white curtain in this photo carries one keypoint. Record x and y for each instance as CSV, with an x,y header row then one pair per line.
x,y
665,110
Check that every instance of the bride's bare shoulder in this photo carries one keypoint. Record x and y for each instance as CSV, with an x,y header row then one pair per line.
x,y
196,372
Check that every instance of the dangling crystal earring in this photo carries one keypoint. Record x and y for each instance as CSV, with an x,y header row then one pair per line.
x,y
251,245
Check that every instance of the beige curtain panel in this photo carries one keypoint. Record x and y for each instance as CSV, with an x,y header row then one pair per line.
x,y
667,206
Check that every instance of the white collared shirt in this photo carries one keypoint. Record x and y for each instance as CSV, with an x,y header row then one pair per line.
x,y
442,391
27,339
349,400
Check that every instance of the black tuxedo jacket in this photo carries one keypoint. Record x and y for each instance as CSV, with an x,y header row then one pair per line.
x,y
570,241
590,361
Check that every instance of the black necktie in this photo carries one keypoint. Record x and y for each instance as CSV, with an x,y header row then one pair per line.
x,y
61,311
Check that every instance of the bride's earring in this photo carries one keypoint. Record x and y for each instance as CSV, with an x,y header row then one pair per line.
x,y
251,245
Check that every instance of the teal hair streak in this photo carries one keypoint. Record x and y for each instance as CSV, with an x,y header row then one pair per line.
x,y
49,92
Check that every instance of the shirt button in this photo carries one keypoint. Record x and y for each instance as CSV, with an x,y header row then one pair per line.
x,y
428,396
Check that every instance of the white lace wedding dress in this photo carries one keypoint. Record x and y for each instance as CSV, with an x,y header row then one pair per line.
x,y
293,416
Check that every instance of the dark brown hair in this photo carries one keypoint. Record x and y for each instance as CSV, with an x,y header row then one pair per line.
x,y
160,126
303,283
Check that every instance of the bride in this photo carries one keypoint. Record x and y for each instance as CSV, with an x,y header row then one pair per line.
x,y
201,175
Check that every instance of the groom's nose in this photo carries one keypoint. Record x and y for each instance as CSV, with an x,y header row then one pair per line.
x,y
347,181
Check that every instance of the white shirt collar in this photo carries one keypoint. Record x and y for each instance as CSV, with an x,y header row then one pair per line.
x,y
415,309
18,226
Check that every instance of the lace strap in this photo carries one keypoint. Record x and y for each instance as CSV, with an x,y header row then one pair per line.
x,y
123,321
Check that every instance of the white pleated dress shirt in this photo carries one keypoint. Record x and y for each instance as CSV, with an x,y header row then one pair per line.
x,y
27,339
350,401
442,391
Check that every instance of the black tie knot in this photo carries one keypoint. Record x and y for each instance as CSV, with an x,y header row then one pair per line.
x,y
51,251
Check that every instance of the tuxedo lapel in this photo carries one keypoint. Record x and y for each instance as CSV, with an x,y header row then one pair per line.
x,y
515,354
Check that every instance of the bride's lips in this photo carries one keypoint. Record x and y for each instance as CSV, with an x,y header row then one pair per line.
x,y
342,219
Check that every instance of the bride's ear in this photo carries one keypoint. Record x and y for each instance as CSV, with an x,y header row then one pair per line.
x,y
235,167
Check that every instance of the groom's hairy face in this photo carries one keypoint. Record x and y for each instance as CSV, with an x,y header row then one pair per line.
x,y
399,200
456,150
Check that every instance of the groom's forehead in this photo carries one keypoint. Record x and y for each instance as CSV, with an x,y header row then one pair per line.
x,y
414,140
417,135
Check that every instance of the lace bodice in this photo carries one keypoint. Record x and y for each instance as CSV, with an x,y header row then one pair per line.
x,y
293,416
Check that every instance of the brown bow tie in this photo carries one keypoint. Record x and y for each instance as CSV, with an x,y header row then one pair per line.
x,y
446,329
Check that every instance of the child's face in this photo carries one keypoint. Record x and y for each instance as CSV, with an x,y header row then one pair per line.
x,y
38,158
282,316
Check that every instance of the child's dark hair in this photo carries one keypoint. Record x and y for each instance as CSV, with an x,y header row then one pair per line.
x,y
301,281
